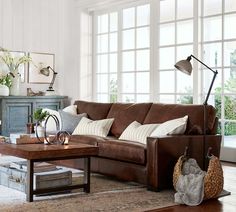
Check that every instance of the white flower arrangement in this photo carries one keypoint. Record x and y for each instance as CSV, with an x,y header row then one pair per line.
x,y
13,63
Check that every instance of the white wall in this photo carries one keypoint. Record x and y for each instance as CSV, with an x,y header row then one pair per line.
x,y
49,26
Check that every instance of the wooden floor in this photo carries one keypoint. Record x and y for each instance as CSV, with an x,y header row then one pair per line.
x,y
223,204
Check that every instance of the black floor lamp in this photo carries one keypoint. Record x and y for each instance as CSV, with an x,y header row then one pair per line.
x,y
186,67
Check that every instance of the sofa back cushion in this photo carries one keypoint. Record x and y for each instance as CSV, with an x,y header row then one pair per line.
x,y
160,113
94,110
126,113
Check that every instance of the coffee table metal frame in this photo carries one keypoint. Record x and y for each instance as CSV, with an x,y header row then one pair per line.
x,y
42,153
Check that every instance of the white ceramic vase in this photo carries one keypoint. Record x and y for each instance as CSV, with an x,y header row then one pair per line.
x,y
40,130
4,90
15,87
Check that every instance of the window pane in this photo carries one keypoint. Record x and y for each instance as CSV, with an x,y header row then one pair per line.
x,y
102,63
212,54
229,141
230,128
185,31
113,42
143,15
167,58
128,82
230,5
142,82
142,37
143,98
208,76
230,54
184,83
167,76
128,18
102,98
113,88
183,52
167,10
127,98
230,80
212,7
185,99
230,31
103,23
128,39
212,28
184,9
167,34
113,62
102,83
142,60
167,99
128,61
102,43
113,22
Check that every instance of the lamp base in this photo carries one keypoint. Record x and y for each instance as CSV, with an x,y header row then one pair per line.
x,y
50,93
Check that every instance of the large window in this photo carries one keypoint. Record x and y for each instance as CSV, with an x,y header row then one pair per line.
x,y
123,65
138,45
176,42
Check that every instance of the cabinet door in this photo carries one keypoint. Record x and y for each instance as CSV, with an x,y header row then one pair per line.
x,y
16,116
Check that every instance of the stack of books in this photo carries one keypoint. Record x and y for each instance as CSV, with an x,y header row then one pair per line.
x,y
21,138
38,166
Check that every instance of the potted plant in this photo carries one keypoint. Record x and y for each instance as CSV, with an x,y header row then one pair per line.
x,y
5,84
13,64
39,116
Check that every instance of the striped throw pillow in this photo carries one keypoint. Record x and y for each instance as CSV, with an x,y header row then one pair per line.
x,y
89,127
137,132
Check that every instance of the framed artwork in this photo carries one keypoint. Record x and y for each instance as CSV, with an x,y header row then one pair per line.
x,y
21,69
40,60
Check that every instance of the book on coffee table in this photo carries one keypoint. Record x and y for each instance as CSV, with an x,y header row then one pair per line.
x,y
38,166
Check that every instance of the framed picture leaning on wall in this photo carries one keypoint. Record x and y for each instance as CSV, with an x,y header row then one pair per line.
x,y
40,60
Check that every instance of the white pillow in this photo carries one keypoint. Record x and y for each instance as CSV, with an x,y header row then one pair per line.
x,y
51,125
90,127
171,127
72,109
137,132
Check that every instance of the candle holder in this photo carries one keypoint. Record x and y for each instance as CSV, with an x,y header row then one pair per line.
x,y
52,138
63,137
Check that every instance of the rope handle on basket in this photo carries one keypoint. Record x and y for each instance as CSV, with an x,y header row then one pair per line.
x,y
186,153
209,155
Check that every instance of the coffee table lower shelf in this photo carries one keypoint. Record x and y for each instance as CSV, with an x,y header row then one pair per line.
x,y
30,192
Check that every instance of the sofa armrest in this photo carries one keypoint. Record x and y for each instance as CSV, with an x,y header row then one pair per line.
x,y
163,153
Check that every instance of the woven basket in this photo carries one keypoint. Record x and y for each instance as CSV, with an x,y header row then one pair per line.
x,y
213,181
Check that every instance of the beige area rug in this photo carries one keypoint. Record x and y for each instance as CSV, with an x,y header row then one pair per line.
x,y
106,195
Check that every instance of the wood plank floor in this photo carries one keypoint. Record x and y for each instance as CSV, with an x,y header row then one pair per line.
x,y
223,204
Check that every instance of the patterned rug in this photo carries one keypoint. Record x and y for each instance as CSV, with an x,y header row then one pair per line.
x,y
106,195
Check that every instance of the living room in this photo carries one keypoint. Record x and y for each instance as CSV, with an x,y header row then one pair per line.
x,y
125,51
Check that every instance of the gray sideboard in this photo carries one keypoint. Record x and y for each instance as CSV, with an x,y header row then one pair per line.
x,y
17,111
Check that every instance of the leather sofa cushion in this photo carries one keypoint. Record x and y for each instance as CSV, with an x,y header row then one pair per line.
x,y
160,113
125,114
95,111
123,151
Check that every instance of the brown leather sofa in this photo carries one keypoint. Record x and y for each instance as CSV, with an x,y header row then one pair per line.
x,y
151,164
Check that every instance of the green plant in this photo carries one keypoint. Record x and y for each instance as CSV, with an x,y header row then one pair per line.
x,y
6,80
39,115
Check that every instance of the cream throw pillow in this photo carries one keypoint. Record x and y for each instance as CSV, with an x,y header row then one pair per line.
x,y
90,127
137,132
171,127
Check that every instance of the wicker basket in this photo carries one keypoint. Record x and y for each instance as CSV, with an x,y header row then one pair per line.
x,y
213,181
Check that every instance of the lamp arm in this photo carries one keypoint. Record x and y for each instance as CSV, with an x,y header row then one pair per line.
x,y
203,63
53,79
211,85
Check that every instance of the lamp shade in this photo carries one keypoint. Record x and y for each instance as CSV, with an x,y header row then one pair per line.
x,y
45,71
184,66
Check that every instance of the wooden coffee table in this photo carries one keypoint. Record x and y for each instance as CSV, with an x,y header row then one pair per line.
x,y
40,152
